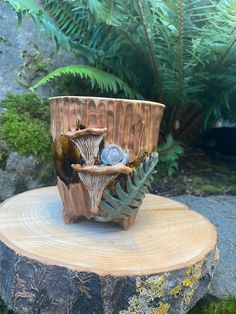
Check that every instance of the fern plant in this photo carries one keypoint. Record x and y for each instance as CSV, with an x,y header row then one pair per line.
x,y
169,153
126,201
179,52
106,81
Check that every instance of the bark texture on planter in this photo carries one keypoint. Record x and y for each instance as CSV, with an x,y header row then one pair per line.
x,y
164,264
81,127
72,195
129,123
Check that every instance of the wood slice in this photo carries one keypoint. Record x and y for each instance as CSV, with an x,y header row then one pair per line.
x,y
164,264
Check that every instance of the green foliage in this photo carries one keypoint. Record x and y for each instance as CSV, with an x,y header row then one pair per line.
x,y
3,308
106,81
179,52
209,186
4,152
216,307
123,203
31,104
169,153
43,21
25,125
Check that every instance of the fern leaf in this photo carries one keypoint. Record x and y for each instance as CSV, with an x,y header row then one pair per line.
x,y
42,20
124,203
105,81
120,192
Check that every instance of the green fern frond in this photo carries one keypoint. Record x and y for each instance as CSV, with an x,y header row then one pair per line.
x,y
42,20
181,51
105,81
169,153
126,202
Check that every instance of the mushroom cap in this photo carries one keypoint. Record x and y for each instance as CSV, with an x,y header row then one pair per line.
x,y
100,170
87,131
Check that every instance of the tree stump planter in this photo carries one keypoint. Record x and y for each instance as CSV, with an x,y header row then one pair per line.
x,y
93,134
164,264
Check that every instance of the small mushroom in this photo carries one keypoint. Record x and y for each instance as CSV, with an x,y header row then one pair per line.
x,y
88,141
96,178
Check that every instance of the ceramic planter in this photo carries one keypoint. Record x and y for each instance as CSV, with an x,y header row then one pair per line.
x,y
104,154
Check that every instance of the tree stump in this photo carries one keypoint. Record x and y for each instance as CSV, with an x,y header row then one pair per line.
x,y
163,264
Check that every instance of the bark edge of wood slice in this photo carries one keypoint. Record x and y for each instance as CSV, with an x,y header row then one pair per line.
x,y
163,264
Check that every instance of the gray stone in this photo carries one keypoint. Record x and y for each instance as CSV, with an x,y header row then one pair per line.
x,y
8,184
19,164
13,41
221,211
23,173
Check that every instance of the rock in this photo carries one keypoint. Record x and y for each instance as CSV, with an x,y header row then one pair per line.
x,y
23,173
221,211
8,184
19,164
16,42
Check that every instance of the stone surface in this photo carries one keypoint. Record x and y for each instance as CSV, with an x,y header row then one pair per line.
x,y
14,41
9,184
221,211
21,173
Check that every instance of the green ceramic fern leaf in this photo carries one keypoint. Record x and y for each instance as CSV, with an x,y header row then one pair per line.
x,y
126,202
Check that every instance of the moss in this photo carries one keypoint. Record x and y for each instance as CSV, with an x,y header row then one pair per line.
x,y
189,282
198,175
4,152
147,291
207,186
188,296
25,125
151,290
212,176
30,104
163,308
216,256
215,307
156,285
193,274
3,308
197,270
176,291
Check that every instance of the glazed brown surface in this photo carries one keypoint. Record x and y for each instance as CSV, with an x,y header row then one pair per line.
x,y
132,124
80,128
76,201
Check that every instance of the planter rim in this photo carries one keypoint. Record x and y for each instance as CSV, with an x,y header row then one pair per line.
x,y
153,103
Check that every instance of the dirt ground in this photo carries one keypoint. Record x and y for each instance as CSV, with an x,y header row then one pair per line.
x,y
199,174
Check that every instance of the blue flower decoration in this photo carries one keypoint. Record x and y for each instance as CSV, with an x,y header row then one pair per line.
x,y
113,154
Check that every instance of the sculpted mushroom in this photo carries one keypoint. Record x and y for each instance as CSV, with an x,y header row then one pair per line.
x,y
96,178
88,141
